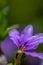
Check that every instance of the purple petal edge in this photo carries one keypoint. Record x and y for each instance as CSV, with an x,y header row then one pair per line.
x,y
34,41
14,36
8,48
28,30
35,54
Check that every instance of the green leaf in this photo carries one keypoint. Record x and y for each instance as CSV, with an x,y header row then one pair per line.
x,y
10,64
3,25
5,33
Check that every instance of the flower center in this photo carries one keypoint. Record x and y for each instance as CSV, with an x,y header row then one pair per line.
x,y
21,49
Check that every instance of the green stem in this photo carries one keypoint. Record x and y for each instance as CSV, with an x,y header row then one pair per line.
x,y
17,60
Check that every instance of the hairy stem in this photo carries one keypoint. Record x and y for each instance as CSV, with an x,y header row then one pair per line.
x,y
18,58
19,55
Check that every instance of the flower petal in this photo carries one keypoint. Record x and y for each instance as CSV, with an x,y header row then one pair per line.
x,y
26,33
35,54
14,35
28,30
34,41
3,60
8,47
28,60
41,63
31,47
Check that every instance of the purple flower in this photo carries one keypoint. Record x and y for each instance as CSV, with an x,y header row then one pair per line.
x,y
8,48
25,41
41,63
28,60
3,60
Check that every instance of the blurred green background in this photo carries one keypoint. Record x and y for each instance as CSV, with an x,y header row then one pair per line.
x,y
22,12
